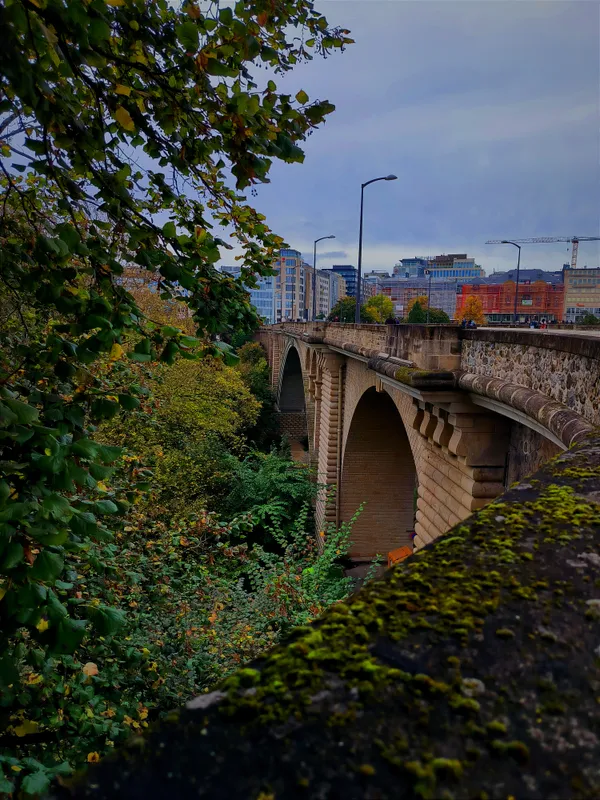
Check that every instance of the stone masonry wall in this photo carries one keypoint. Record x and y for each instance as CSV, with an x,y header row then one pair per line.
x,y
293,425
528,450
564,368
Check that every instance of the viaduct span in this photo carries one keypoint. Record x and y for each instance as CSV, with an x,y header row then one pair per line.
x,y
423,425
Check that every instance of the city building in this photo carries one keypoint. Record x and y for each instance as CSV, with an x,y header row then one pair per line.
x,y
330,287
455,266
262,297
530,275
537,299
291,300
372,282
349,274
582,293
411,267
402,290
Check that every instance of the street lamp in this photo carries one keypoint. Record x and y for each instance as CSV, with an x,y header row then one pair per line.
x,y
428,272
514,244
314,281
360,233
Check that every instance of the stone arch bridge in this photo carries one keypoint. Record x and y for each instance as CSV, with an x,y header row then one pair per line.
x,y
422,425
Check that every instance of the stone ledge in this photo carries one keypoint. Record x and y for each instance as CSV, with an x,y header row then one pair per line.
x,y
568,426
469,671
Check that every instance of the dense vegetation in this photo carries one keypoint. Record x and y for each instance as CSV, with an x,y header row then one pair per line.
x,y
345,310
127,132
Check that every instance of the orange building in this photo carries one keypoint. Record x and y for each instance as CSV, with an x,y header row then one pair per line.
x,y
537,300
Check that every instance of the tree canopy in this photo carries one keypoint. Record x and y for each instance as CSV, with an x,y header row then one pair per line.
x,y
472,309
380,307
345,310
128,131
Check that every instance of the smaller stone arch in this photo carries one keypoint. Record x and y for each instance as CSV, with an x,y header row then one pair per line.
x,y
291,402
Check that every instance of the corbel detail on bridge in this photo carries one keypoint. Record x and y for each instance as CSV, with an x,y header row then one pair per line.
x,y
462,465
329,413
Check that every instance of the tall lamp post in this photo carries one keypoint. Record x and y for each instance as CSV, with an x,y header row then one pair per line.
x,y
360,236
428,272
314,280
514,244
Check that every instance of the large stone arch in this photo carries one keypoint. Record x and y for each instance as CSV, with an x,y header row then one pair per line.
x,y
378,469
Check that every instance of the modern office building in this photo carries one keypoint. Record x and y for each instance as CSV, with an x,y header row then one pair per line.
x,y
349,274
536,300
330,287
455,266
410,267
402,290
262,297
291,299
582,293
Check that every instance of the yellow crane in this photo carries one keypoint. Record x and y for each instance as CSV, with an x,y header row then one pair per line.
x,y
549,239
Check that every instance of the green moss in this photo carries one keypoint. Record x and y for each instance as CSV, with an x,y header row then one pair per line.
x,y
495,726
518,750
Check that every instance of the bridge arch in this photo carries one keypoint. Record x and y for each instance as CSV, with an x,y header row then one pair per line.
x,y
378,469
294,404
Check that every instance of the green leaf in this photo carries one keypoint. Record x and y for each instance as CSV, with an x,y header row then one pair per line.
x,y
128,401
170,230
302,97
13,555
57,508
188,35
6,787
23,411
70,633
169,353
47,566
140,356
85,448
107,620
8,671
105,507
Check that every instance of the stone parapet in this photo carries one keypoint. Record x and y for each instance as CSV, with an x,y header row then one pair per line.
x,y
469,670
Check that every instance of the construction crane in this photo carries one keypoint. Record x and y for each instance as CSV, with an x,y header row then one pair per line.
x,y
549,239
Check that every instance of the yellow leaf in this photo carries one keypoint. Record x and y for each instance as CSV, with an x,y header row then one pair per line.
x,y
102,486
33,678
125,90
116,351
93,758
42,625
90,669
3,591
123,117
26,727
115,2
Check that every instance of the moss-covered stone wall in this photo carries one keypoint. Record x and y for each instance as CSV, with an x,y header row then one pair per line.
x,y
471,670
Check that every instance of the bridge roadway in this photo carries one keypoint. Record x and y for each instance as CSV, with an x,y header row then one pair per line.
x,y
422,425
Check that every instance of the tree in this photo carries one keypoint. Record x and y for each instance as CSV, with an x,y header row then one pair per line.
x,y
379,307
436,315
345,309
472,309
120,126
421,300
416,314
590,319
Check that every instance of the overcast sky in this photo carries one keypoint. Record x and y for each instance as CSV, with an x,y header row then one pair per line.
x,y
488,113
